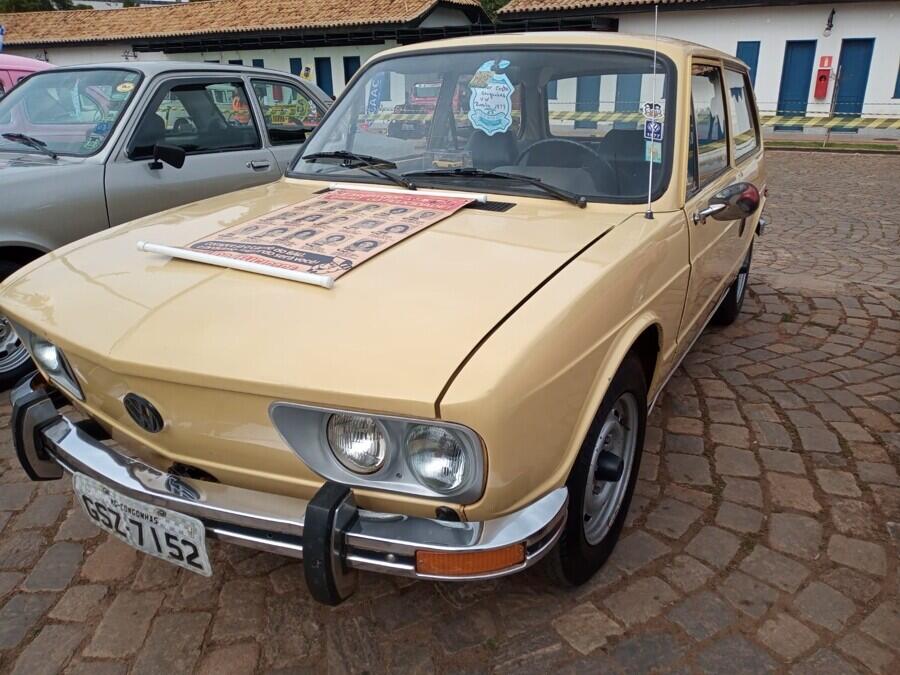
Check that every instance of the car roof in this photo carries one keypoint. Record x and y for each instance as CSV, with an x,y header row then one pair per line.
x,y
22,63
668,45
151,68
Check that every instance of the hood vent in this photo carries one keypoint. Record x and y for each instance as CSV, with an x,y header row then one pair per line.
x,y
497,207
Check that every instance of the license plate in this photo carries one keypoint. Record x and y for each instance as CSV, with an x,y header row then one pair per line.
x,y
171,536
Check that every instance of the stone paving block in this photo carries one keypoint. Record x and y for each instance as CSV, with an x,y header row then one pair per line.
x,y
792,492
155,573
56,568
42,512
20,614
641,600
782,461
730,435
586,628
739,518
750,596
714,546
883,623
79,603
858,554
173,645
77,527
238,659
723,654
96,668
637,550
818,440
124,625
16,496
821,604
786,636
873,472
851,516
868,653
824,662
20,550
685,444
702,615
9,581
672,518
49,651
241,612
687,573
840,483
689,469
736,462
795,534
112,560
774,568
771,434
646,653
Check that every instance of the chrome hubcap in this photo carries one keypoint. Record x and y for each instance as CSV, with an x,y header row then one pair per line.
x,y
611,465
12,352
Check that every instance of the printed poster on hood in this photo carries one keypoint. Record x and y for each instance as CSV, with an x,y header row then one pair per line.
x,y
332,233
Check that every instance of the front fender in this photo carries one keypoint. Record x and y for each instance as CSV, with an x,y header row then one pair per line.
x,y
533,388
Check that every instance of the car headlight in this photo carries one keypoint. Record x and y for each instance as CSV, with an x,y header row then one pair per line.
x,y
437,458
427,458
51,360
357,442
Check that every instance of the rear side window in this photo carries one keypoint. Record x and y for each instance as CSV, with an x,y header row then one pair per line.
x,y
710,122
743,121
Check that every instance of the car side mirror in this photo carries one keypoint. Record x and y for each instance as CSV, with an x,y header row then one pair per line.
x,y
170,154
736,202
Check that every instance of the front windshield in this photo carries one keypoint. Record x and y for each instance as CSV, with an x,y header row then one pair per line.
x,y
71,111
575,119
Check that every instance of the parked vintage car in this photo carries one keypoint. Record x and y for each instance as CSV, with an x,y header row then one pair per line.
x,y
457,407
15,68
77,150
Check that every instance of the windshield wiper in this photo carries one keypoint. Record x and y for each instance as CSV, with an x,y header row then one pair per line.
x,y
32,143
470,172
374,166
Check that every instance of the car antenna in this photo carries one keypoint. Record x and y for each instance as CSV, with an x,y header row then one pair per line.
x,y
649,213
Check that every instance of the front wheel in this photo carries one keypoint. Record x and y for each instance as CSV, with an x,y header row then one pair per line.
x,y
602,480
14,360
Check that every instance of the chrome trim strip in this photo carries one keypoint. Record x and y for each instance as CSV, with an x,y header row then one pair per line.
x,y
376,542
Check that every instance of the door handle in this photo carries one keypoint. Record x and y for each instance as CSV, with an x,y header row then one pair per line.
x,y
259,165
711,210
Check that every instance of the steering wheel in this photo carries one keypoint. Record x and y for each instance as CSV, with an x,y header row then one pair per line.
x,y
563,141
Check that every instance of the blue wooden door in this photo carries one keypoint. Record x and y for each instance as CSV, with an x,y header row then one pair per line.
x,y
351,65
748,52
796,76
853,66
323,74
587,99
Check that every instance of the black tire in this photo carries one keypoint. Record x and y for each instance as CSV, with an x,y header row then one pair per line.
x,y
12,368
574,560
730,308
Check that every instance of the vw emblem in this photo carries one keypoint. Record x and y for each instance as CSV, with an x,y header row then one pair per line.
x,y
179,488
144,413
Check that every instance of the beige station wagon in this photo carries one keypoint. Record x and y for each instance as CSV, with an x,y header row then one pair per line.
x,y
456,396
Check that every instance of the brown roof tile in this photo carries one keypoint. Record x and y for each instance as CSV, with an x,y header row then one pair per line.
x,y
522,6
209,17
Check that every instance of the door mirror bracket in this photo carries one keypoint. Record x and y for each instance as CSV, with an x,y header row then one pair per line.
x,y
170,154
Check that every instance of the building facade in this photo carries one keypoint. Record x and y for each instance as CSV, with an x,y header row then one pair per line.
x,y
330,38
806,58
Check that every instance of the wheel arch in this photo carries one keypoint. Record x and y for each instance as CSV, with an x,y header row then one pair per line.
x,y
19,254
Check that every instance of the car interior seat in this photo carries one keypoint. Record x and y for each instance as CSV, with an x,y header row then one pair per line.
x,y
151,132
489,152
624,148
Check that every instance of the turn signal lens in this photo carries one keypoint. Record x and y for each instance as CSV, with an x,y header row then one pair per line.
x,y
469,564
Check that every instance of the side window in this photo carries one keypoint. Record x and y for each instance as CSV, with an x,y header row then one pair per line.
x,y
288,112
200,117
743,121
693,182
710,122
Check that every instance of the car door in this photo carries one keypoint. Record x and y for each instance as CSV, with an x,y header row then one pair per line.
x,y
212,120
289,113
714,244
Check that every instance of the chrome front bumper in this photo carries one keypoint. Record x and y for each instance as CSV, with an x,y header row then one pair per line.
x,y
49,444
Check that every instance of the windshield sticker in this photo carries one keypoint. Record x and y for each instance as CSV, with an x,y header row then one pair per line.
x,y
490,103
653,130
92,143
652,111
329,234
125,87
103,128
653,152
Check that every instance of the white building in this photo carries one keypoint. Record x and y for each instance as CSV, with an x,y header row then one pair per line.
x,y
789,44
331,38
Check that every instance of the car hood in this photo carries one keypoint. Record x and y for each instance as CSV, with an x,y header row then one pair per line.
x,y
15,164
386,337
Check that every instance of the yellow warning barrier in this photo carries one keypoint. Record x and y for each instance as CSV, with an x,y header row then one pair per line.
x,y
831,122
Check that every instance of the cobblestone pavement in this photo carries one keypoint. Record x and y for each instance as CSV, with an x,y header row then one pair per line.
x,y
764,536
